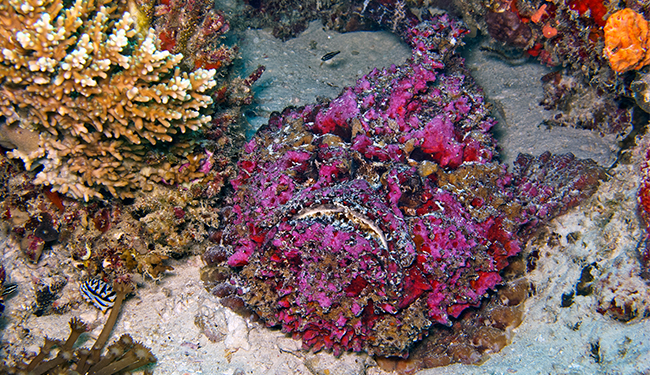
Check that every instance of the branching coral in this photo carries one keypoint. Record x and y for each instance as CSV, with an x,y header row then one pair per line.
x,y
96,89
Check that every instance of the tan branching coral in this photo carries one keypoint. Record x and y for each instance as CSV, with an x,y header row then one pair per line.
x,y
92,82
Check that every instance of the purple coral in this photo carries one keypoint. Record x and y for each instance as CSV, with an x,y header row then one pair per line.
x,y
357,224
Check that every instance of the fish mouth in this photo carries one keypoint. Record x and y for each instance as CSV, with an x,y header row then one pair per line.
x,y
345,216
355,207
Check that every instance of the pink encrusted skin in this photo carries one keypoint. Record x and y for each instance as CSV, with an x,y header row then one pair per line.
x,y
358,223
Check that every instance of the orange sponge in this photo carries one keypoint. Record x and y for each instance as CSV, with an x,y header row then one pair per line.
x,y
627,41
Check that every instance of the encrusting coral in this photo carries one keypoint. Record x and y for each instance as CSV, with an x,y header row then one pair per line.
x,y
92,84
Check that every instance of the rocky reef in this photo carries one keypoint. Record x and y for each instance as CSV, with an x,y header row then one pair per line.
x,y
108,239
570,36
643,197
359,223
193,29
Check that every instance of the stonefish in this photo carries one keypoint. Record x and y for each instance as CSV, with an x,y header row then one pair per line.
x,y
358,223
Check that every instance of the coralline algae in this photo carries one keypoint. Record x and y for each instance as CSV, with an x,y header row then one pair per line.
x,y
358,223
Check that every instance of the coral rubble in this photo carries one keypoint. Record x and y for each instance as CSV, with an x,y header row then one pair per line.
x,y
584,106
109,239
122,356
358,223
643,197
92,88
193,29
288,18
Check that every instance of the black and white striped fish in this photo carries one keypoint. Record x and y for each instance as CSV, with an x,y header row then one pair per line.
x,y
99,293
329,56
8,289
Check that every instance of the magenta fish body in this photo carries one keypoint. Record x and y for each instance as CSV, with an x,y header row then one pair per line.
x,y
358,223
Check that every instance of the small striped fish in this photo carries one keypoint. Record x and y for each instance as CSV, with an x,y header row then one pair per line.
x,y
8,288
329,55
98,293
